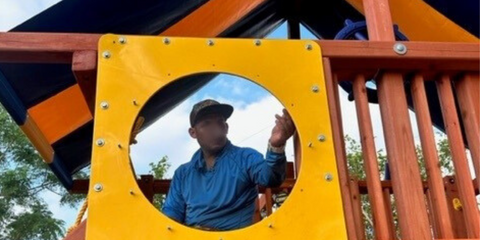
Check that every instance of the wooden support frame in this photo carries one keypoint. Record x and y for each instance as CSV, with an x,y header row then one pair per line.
x,y
422,57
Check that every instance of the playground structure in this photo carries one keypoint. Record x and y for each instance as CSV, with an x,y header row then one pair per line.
x,y
409,74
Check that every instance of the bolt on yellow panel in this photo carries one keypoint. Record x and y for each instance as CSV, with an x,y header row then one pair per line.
x,y
133,68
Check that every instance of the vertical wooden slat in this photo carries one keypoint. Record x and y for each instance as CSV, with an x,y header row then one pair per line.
x,y
357,213
457,149
257,212
146,185
388,210
467,94
84,68
369,154
298,154
432,215
458,221
339,144
402,159
429,150
268,201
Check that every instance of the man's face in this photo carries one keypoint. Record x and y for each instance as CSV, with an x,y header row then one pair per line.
x,y
211,132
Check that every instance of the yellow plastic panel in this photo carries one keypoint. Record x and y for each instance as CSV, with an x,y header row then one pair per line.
x,y
133,68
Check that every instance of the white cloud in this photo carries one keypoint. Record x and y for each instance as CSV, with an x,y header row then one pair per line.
x,y
15,12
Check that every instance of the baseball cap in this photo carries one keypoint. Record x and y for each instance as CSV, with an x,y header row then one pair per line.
x,y
209,106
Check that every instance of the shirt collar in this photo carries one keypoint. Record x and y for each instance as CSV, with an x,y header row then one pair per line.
x,y
198,160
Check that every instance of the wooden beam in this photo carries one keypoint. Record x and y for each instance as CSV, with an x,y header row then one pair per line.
x,y
161,186
59,48
44,47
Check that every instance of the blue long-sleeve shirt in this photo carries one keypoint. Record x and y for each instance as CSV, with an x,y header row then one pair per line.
x,y
223,197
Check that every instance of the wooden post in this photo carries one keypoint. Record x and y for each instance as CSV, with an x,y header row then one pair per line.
x,y
370,159
468,89
406,179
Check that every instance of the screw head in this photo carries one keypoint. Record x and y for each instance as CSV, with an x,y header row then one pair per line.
x,y
400,48
104,105
169,228
315,88
310,144
210,42
309,47
257,42
166,41
98,187
106,54
322,138
328,177
100,142
122,40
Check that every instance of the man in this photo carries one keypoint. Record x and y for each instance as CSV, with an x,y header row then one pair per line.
x,y
217,189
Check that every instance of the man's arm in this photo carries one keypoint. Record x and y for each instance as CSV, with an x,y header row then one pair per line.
x,y
174,206
270,172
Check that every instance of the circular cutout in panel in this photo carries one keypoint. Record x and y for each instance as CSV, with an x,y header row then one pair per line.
x,y
163,145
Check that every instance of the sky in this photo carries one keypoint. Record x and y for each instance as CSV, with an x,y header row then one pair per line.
x,y
250,124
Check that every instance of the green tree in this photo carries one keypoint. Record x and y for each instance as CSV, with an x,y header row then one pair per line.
x,y
23,176
158,171
24,215
356,170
